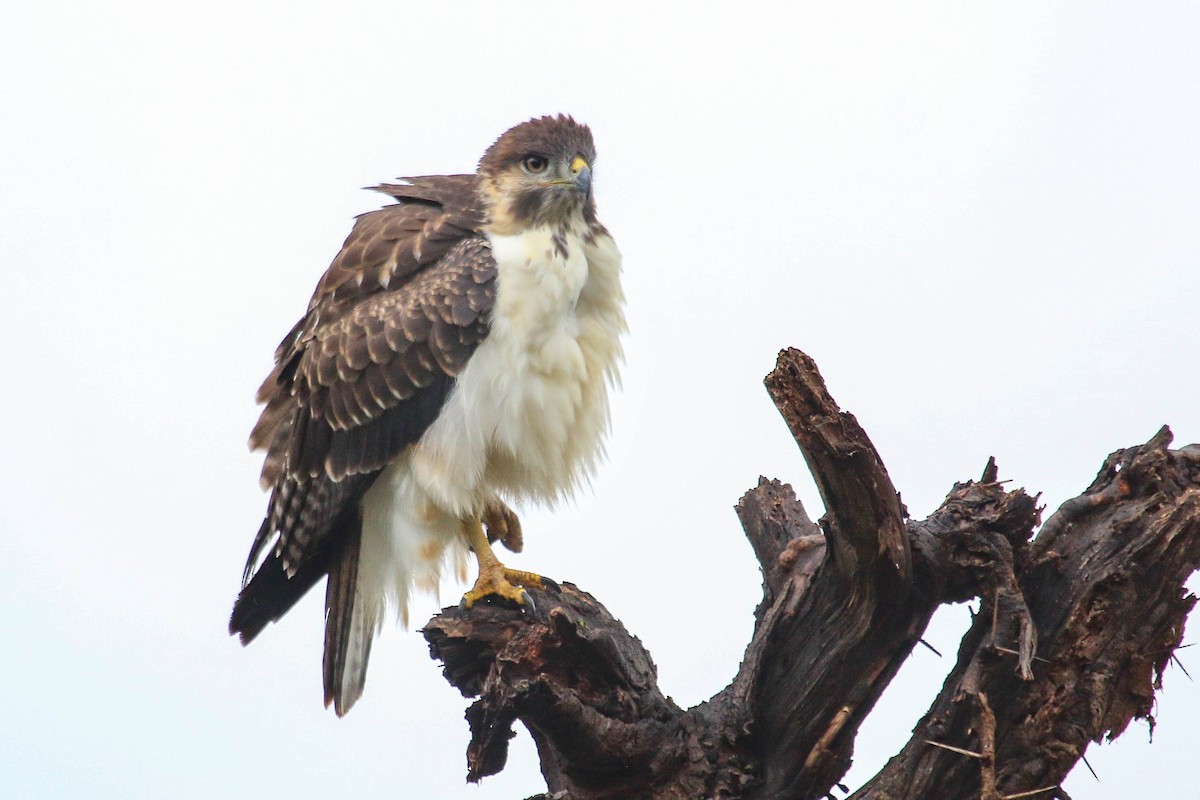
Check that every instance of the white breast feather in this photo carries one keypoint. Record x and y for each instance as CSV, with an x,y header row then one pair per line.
x,y
526,420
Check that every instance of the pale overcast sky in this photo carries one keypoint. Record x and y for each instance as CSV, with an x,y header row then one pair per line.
x,y
982,220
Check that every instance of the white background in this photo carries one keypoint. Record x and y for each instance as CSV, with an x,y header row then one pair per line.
x,y
980,219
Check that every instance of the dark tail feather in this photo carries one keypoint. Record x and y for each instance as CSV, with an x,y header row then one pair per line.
x,y
256,548
270,593
346,648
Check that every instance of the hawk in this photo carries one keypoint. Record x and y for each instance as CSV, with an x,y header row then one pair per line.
x,y
455,357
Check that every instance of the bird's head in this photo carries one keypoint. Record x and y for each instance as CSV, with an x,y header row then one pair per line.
x,y
539,173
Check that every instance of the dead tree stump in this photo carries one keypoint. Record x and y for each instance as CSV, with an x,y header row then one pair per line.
x,y
1074,630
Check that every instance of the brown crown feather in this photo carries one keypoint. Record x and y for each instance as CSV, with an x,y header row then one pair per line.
x,y
544,136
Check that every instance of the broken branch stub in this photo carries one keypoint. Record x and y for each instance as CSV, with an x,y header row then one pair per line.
x,y
1074,631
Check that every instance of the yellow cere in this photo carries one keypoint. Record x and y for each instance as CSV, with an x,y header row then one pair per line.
x,y
578,165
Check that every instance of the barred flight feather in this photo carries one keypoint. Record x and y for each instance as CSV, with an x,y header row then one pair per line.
x,y
456,352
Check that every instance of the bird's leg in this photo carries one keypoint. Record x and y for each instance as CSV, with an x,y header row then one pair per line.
x,y
502,525
494,577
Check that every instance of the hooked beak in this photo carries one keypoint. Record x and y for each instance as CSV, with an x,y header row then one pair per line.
x,y
582,172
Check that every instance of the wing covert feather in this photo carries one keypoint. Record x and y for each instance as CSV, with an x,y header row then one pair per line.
x,y
365,372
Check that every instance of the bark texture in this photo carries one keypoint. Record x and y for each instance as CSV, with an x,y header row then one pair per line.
x,y
1074,630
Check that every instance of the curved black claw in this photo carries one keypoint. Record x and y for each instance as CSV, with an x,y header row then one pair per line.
x,y
499,584
526,601
522,602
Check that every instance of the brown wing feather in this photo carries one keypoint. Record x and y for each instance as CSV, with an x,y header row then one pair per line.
x,y
272,590
352,415
431,216
362,376
358,382
384,249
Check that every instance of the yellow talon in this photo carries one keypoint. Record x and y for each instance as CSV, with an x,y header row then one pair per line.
x,y
495,578
502,525
503,582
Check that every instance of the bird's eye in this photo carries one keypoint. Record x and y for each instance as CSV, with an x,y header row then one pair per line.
x,y
535,165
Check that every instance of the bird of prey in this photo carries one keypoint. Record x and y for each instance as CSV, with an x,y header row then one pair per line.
x,y
456,357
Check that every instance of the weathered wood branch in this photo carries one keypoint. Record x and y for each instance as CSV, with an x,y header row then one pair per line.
x,y
586,690
864,518
1074,630
1103,583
